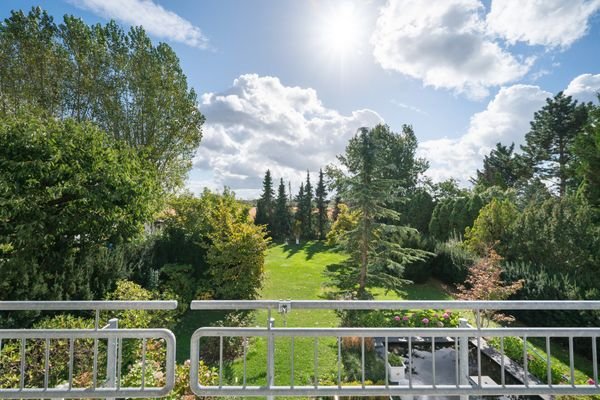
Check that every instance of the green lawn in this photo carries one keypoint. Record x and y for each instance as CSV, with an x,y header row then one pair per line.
x,y
296,272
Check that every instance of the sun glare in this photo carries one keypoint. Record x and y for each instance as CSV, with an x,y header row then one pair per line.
x,y
341,31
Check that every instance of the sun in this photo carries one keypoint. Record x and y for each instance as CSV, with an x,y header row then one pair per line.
x,y
341,31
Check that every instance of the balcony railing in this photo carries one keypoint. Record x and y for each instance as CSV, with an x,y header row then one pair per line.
x,y
453,356
459,339
106,343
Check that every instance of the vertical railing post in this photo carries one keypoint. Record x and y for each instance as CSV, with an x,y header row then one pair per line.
x,y
463,357
271,357
111,356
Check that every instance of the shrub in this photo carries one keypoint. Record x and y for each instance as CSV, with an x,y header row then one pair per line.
x,y
451,262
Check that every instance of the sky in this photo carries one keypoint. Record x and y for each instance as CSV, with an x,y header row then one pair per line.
x,y
285,84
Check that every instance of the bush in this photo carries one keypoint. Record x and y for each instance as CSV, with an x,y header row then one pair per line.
x,y
451,262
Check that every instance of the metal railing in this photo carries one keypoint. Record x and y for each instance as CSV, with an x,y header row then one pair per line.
x,y
463,345
52,348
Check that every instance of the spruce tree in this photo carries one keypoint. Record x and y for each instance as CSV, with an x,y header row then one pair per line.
x,y
265,205
549,148
282,219
321,201
307,207
299,220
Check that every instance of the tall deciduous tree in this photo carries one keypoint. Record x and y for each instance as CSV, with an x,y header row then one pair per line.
x,y
376,259
131,89
549,143
321,202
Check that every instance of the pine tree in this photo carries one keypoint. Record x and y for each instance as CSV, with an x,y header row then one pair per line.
x,y
551,138
502,167
265,205
282,218
299,220
307,207
321,200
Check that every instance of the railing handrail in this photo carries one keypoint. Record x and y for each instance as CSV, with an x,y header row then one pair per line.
x,y
65,305
395,304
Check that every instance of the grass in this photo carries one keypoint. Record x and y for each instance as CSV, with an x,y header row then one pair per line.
x,y
296,272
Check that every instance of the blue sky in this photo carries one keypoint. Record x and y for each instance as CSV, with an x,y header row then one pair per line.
x,y
284,84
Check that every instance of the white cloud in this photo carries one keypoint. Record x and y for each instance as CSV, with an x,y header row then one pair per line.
x,y
505,119
155,19
259,123
444,45
584,88
552,23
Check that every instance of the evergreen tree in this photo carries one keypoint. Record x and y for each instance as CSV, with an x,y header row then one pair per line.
x,y
551,138
321,200
306,209
299,216
376,259
502,167
282,218
265,205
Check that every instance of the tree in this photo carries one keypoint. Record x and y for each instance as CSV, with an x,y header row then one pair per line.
x,y
587,150
336,208
265,207
300,215
321,200
502,167
70,194
452,215
282,219
492,227
375,257
306,208
213,234
345,222
484,282
131,89
549,143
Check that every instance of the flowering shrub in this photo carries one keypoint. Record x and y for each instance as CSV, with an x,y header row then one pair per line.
x,y
421,319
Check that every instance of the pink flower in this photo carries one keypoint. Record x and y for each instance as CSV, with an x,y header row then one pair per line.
x,y
591,382
397,318
425,321
405,318
445,316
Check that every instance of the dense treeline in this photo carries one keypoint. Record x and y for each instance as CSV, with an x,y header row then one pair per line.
x,y
98,128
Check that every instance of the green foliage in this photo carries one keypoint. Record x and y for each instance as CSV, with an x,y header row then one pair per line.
x,y
502,168
451,262
214,235
321,203
549,143
304,211
558,233
587,151
176,278
265,206
416,210
492,227
282,221
70,194
376,259
345,222
131,89
452,215
401,319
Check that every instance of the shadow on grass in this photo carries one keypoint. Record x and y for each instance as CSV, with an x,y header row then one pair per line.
x,y
310,247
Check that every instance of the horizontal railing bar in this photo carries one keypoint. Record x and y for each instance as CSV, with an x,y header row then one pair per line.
x,y
395,305
380,390
158,333
76,393
397,332
87,305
